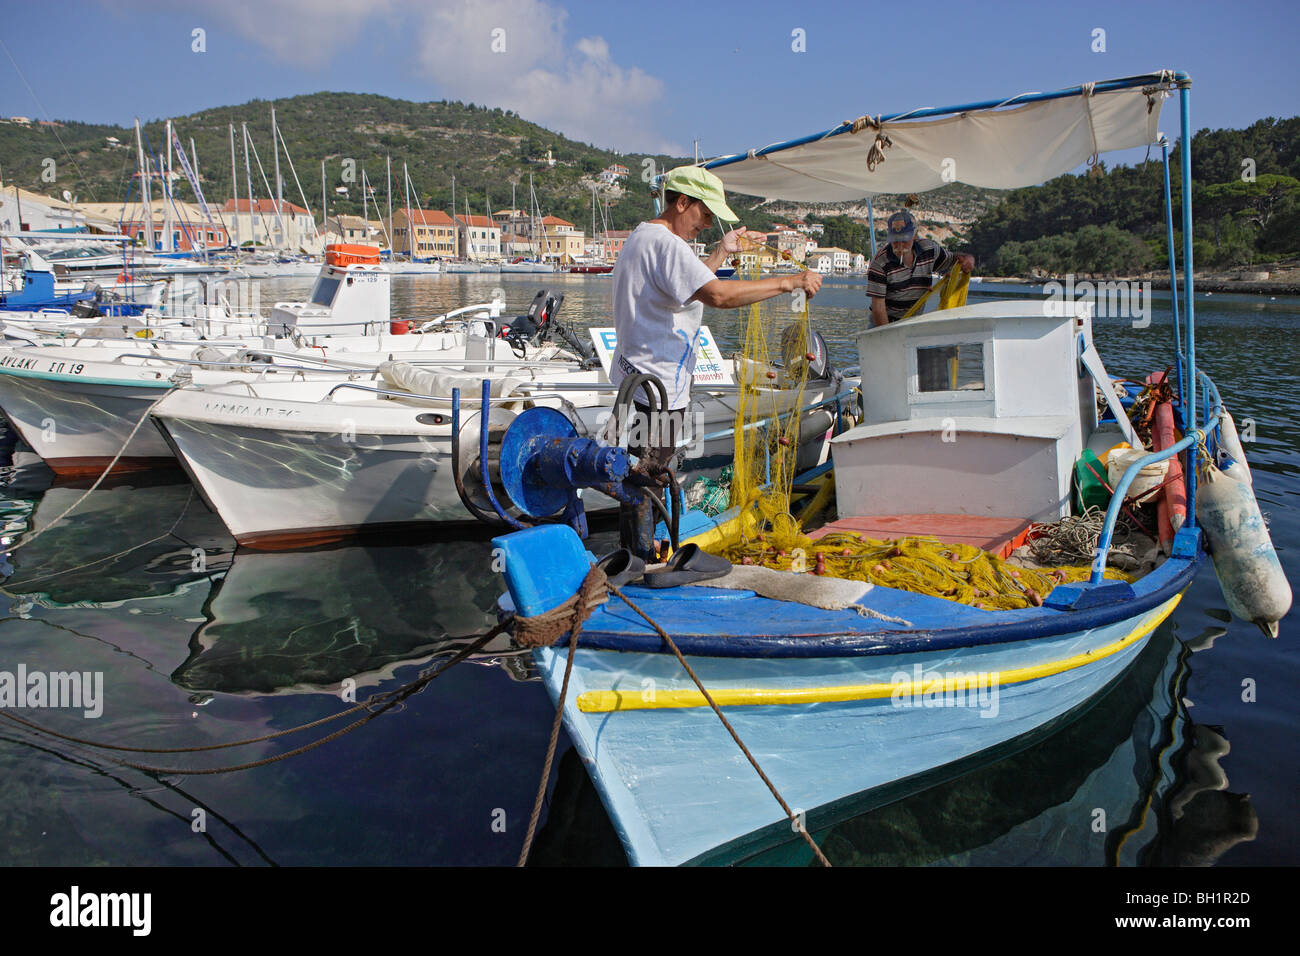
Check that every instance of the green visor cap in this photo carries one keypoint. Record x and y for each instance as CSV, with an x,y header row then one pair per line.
x,y
700,184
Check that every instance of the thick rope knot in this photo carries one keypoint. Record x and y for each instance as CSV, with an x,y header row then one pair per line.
x,y
545,629
876,155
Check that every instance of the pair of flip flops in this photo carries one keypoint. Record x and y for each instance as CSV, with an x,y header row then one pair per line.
x,y
688,565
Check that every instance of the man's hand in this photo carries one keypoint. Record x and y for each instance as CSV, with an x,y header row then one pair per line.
x,y
966,261
733,241
808,280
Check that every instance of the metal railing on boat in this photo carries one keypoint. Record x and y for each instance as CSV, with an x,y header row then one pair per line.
x,y
1214,414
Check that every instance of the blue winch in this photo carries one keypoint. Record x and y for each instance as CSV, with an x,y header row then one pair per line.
x,y
543,464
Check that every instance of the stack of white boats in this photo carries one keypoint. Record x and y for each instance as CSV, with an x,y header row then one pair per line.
x,y
319,424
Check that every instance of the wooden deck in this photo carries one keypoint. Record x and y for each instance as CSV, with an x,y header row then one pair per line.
x,y
996,535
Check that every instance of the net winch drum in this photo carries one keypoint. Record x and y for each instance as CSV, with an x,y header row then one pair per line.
x,y
472,476
543,463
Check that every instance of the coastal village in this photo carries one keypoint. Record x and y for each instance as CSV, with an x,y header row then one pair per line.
x,y
424,234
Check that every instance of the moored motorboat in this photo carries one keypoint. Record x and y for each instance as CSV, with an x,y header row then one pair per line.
x,y
78,393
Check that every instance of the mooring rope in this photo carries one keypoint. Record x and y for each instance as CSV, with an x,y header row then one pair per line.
x,y
798,824
72,507
545,629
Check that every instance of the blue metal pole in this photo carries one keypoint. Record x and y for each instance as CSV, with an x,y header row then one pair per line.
x,y
1173,268
1191,422
871,225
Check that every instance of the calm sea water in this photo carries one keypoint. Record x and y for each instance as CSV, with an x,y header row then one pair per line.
x,y
1190,759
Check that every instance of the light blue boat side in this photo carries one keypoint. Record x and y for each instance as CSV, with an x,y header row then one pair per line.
x,y
677,786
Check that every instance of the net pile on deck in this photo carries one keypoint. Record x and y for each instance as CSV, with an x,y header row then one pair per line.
x,y
924,565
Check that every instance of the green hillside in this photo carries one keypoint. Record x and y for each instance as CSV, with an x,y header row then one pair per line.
x,y
485,149
1245,201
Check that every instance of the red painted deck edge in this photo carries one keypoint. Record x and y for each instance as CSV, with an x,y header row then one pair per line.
x,y
998,535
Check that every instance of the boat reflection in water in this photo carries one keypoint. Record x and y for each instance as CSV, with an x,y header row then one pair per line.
x,y
134,537
1128,780
303,622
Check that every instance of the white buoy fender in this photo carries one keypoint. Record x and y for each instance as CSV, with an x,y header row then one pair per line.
x,y
1249,572
1230,443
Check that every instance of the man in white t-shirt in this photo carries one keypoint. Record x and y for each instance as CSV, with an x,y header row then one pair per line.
x,y
661,287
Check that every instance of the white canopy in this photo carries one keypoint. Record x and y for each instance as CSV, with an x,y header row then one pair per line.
x,y
994,148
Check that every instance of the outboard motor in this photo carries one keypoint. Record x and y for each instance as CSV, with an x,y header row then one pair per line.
x,y
86,309
532,328
815,354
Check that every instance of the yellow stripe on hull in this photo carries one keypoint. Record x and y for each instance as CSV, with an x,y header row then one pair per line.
x,y
604,701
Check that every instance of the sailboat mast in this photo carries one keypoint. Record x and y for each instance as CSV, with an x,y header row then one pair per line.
x,y
248,174
279,184
234,186
168,245
388,162
410,227
145,190
324,199
469,240
194,162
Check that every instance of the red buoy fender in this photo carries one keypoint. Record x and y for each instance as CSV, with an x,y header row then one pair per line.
x,y
1172,507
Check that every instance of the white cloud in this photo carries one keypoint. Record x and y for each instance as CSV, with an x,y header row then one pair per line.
x,y
580,92
303,33
578,89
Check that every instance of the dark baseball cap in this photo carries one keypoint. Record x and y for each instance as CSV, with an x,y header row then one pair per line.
x,y
902,227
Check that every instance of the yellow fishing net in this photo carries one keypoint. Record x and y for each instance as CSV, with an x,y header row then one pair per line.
x,y
768,416
951,290
957,572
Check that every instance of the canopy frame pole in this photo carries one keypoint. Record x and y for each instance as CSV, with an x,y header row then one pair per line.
x,y
871,226
1190,423
1173,268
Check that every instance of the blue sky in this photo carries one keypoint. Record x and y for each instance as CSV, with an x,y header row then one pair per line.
x,y
636,76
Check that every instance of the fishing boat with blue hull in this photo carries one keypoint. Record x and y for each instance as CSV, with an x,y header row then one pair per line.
x,y
917,632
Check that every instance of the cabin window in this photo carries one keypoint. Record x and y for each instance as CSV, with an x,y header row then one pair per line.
x,y
324,291
950,368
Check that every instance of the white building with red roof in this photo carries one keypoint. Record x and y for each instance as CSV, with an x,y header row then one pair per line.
x,y
261,223
424,234
480,237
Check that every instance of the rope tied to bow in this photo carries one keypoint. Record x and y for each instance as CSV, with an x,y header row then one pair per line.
x,y
543,630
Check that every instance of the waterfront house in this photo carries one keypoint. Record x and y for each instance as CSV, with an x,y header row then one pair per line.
x,y
479,236
613,243
257,223
191,230
424,233
561,239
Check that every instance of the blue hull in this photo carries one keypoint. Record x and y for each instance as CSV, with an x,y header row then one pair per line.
x,y
677,788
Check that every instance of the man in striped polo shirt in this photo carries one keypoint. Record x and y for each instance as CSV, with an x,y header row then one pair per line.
x,y
901,272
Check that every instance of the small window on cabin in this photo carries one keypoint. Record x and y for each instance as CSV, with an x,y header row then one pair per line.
x,y
324,292
950,368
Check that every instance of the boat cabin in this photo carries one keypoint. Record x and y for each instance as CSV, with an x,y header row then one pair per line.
x,y
346,299
973,419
